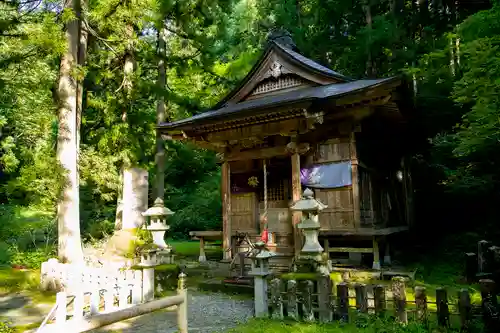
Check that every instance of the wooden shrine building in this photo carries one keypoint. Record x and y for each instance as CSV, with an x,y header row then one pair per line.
x,y
308,126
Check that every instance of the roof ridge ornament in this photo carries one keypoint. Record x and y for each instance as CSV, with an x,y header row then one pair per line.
x,y
282,37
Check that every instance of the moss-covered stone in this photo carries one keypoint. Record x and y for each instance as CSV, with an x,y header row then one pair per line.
x,y
123,243
168,268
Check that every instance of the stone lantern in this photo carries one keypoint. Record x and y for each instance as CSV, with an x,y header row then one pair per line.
x,y
260,270
158,226
157,222
310,208
260,259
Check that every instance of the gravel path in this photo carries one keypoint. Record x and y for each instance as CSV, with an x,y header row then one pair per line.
x,y
208,313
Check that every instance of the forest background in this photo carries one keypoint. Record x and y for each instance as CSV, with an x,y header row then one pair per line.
x,y
187,54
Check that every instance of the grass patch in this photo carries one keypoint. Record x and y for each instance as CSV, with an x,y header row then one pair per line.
x,y
12,280
191,249
26,281
361,324
299,276
268,326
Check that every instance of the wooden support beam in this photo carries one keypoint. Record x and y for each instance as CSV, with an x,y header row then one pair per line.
x,y
355,185
296,195
254,154
376,254
267,128
265,153
351,249
226,210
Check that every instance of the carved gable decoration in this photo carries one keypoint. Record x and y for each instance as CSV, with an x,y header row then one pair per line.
x,y
275,84
280,69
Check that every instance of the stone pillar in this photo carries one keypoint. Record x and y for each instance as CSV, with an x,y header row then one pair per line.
x,y
135,197
260,271
482,249
202,258
148,263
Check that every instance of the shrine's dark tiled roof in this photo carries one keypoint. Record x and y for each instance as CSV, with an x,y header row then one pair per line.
x,y
312,64
255,106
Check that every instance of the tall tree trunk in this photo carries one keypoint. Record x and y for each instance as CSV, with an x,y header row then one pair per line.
x,y
68,210
160,117
370,71
298,13
82,57
135,180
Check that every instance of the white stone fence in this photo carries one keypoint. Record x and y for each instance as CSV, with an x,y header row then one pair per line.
x,y
83,310
72,278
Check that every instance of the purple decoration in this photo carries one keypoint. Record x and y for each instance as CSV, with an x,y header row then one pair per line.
x,y
333,175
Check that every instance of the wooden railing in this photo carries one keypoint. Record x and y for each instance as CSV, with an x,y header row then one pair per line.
x,y
101,307
319,301
66,277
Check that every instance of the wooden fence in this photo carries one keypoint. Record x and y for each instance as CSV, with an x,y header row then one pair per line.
x,y
318,301
83,311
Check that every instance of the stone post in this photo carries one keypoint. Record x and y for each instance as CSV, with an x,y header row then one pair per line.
x,y
260,270
148,263
387,254
312,250
202,258
158,226
482,248
182,310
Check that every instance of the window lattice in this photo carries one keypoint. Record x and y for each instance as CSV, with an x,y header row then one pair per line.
x,y
275,192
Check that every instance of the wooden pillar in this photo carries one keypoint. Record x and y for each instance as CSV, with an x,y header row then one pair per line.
x,y
226,211
355,185
296,195
376,254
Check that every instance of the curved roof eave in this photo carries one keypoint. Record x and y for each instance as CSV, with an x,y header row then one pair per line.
x,y
334,90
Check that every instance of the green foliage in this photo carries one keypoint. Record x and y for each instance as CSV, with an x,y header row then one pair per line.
x,y
33,258
192,193
467,152
6,328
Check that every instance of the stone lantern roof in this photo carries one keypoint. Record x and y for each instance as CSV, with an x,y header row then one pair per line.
x,y
308,203
260,251
158,209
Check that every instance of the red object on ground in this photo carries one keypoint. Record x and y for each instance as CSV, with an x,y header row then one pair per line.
x,y
265,236
18,267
